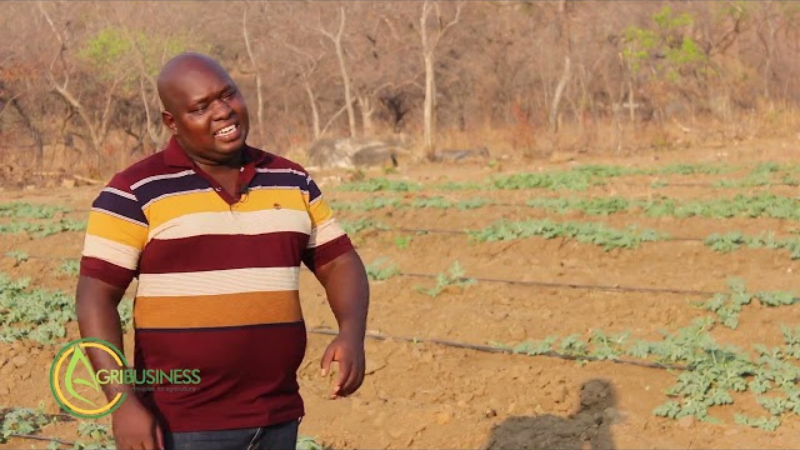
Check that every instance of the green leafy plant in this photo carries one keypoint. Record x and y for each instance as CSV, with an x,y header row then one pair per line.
x,y
432,202
29,210
455,276
534,348
587,232
734,240
368,204
98,434
38,314
402,242
43,229
70,267
357,226
18,256
763,423
460,186
381,269
380,184
23,421
595,206
308,443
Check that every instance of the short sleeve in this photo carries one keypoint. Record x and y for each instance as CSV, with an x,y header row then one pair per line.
x,y
115,235
327,240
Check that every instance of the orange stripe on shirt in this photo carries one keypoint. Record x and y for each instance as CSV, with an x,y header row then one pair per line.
x,y
212,311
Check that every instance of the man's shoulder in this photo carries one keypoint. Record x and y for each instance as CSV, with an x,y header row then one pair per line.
x,y
275,161
149,166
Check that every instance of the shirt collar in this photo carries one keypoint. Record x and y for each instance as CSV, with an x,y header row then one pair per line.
x,y
175,155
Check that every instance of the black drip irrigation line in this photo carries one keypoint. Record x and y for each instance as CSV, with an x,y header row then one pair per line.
x,y
57,417
423,230
505,351
717,186
593,287
42,438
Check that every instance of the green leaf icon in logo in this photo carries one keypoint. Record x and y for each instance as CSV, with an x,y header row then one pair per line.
x,y
78,357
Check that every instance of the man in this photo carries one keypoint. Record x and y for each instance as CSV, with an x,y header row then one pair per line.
x,y
216,230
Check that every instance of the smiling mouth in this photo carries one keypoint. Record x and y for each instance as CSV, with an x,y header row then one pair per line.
x,y
227,130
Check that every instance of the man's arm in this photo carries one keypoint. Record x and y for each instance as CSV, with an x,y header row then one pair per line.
x,y
98,317
347,288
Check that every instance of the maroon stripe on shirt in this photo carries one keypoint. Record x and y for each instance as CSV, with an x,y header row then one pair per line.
x,y
219,252
319,256
248,375
105,271
278,162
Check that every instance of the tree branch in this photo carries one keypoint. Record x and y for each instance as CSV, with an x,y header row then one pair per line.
x,y
11,100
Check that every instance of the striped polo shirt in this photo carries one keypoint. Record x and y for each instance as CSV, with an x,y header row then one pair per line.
x,y
218,280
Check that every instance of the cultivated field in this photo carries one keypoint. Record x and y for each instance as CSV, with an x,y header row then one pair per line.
x,y
644,302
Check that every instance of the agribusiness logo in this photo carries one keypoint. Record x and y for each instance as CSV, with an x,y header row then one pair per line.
x,y
77,387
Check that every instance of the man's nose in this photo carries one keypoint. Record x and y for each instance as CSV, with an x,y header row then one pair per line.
x,y
222,110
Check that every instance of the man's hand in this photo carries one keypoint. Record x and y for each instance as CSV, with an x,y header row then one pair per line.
x,y
349,353
135,427
347,287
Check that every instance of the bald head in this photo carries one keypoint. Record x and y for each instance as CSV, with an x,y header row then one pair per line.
x,y
175,71
203,108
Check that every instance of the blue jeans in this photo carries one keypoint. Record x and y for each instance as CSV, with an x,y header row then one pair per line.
x,y
282,436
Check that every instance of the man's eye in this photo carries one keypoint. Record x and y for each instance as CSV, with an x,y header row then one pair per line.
x,y
199,110
229,94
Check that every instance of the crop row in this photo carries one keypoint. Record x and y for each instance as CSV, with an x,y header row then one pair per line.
x,y
754,206
583,177
712,372
28,423
39,314
591,233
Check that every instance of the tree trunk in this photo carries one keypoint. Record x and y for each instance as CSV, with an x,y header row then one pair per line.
x,y
631,104
95,141
314,110
259,95
367,111
562,83
563,28
429,44
430,108
348,96
37,135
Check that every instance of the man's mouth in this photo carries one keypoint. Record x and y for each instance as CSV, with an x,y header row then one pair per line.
x,y
227,131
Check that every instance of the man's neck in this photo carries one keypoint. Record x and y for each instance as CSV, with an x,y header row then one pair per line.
x,y
235,162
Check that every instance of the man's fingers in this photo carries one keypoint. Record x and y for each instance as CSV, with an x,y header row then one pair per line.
x,y
355,379
345,369
325,363
359,377
151,443
159,437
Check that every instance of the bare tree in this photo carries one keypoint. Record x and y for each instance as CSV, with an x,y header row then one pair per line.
x,y
257,73
563,26
336,38
307,65
767,33
431,35
146,57
97,127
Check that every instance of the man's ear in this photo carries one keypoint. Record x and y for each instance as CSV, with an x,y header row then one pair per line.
x,y
169,122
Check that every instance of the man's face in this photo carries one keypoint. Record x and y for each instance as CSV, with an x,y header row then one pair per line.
x,y
206,112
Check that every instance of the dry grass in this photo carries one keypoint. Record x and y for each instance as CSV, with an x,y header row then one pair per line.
x,y
531,142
